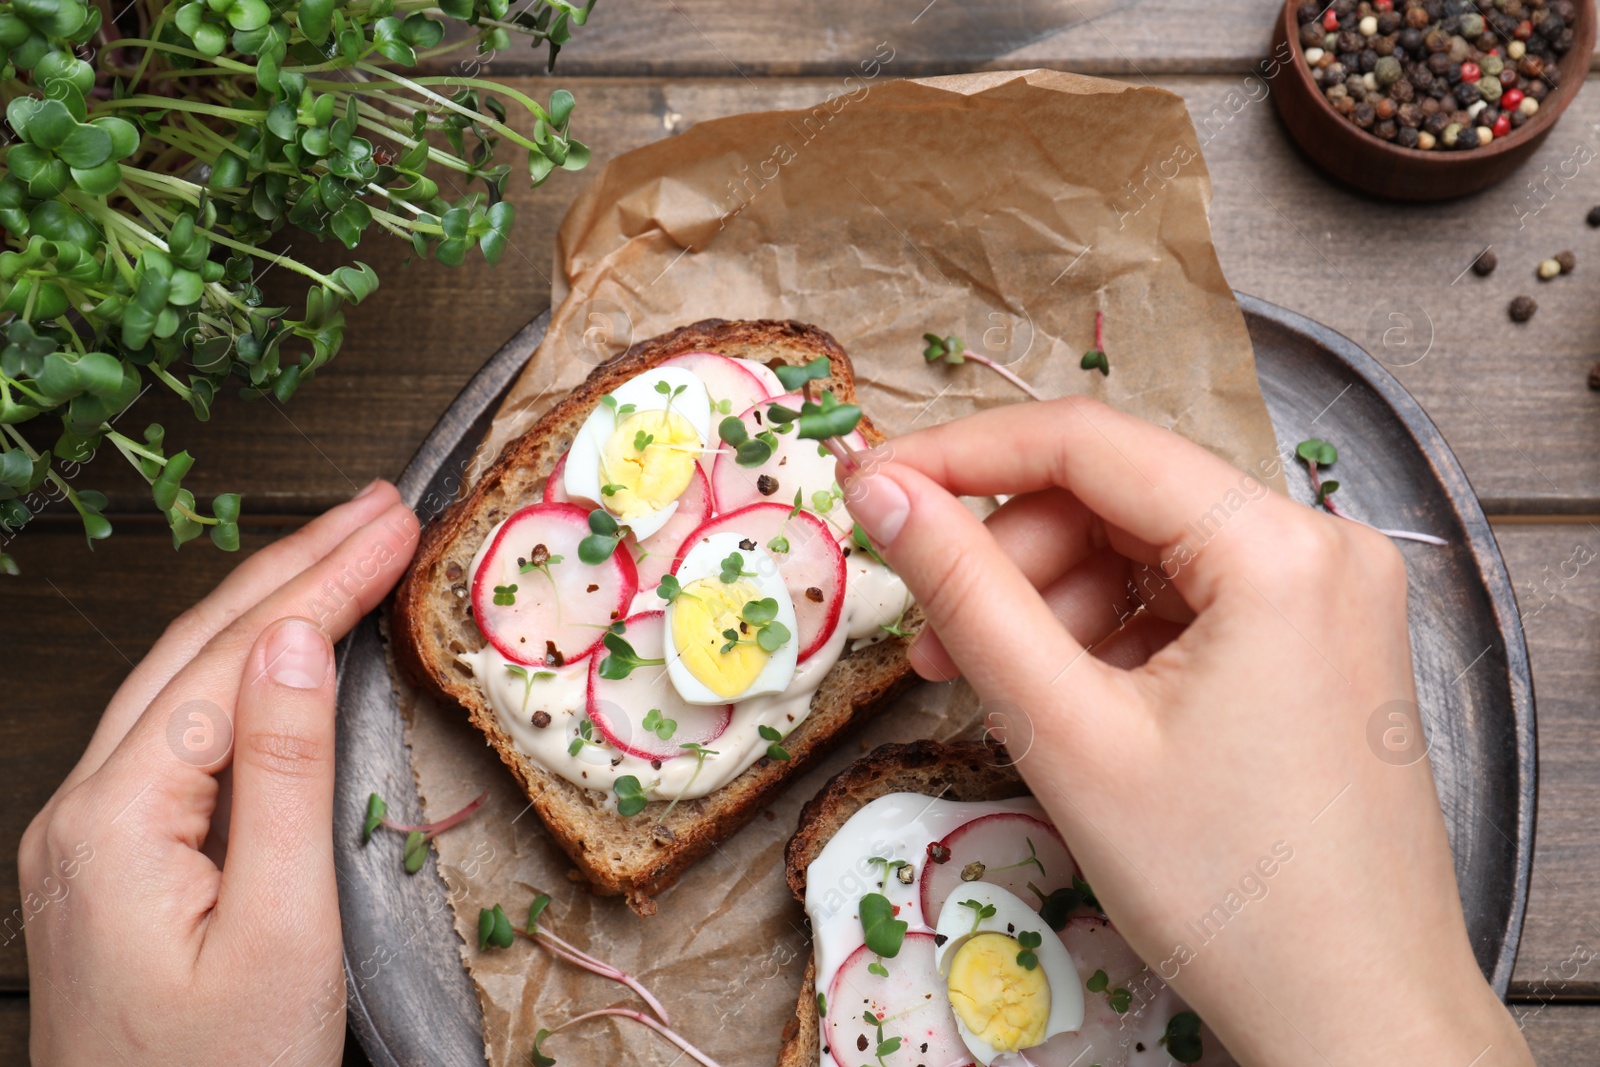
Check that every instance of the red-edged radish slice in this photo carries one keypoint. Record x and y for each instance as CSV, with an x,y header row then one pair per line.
x,y
1148,1025
1001,843
764,374
794,464
1106,1037
733,380
618,707
658,554
911,1002
555,490
556,619
813,569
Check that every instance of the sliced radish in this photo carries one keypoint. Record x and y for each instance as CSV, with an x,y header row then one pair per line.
x,y
554,619
1148,1025
813,569
1001,843
555,490
732,380
1106,1037
794,464
764,374
658,554
618,707
911,1002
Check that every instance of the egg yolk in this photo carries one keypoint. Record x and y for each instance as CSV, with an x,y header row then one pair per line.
x,y
995,996
702,612
648,478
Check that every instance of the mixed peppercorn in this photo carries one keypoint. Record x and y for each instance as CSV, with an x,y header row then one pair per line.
x,y
1436,74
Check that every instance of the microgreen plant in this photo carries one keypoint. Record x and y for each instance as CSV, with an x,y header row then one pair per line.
x,y
888,866
747,451
528,677
630,796
144,183
883,1046
642,440
540,560
505,595
1029,940
1118,999
732,569
494,929
1182,1037
415,851
761,617
701,753
584,737
952,350
779,544
604,535
822,417
1031,859
659,724
859,536
980,912
1317,453
670,590
621,660
775,751
1056,907
884,934
1095,358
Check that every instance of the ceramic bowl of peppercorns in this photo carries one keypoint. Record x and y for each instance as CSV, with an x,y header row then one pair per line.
x,y
1428,99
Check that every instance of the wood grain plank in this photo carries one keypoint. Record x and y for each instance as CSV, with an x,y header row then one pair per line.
x,y
1560,1035
1511,400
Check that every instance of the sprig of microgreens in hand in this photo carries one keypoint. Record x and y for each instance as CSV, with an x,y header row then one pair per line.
x,y
1095,358
821,418
952,350
775,751
417,835
1317,453
884,934
1119,999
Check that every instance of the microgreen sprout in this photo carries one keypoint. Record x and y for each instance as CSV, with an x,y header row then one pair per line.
x,y
700,754
415,852
1095,358
622,659
670,589
980,912
1031,858
883,932
545,1060
1029,940
630,796
1118,999
822,500
747,451
494,929
863,542
1317,453
822,1005
505,595
778,544
642,440
621,412
821,418
604,535
1182,1038
775,751
1057,906
611,489
659,724
883,1046
528,677
733,569
585,737
799,503
953,351
671,393
888,865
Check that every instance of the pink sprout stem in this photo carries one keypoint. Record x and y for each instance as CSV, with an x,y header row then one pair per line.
x,y
579,958
431,828
1100,330
666,1032
1007,375
1333,509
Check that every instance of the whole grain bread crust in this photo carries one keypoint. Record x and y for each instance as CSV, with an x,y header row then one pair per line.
x,y
961,770
430,625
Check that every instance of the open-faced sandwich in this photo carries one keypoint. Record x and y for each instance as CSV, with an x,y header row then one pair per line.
x,y
951,927
655,604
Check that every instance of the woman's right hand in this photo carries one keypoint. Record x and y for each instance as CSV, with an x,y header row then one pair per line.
x,y
1202,662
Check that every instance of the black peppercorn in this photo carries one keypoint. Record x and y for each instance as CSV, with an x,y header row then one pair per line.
x,y
1309,12
1568,261
1311,35
1467,94
1408,137
1522,309
1387,129
1485,264
1594,377
1364,115
1593,218
766,485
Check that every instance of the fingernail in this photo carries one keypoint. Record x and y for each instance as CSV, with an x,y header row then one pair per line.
x,y
298,655
879,505
369,487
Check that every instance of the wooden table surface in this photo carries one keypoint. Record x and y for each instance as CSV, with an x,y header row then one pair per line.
x,y
1512,401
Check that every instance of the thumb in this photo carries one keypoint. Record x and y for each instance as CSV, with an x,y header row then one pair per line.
x,y
279,864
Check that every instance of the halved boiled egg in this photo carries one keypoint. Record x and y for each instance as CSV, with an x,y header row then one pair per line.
x,y
1011,983
731,630
635,454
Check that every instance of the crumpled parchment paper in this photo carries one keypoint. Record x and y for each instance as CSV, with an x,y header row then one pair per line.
x,y
1006,208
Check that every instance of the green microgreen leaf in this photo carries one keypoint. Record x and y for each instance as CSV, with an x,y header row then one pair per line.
x,y
621,659
778,544
1315,450
1097,983
884,933
980,912
376,810
732,569
494,929
795,378
859,537
1095,359
416,851
540,1057
1029,940
505,595
1182,1037
772,736
630,796
659,724
536,909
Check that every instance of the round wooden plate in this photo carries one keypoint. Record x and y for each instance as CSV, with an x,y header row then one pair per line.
x,y
410,999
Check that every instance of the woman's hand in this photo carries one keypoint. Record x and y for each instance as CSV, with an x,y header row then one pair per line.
x,y
1200,661
153,949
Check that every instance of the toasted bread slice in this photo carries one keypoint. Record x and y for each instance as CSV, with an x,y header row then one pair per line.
x,y
640,856
963,770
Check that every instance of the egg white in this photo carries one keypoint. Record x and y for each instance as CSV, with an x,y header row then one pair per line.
x,y
583,478
705,561
1012,916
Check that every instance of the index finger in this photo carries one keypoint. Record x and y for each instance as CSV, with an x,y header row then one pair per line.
x,y
1157,486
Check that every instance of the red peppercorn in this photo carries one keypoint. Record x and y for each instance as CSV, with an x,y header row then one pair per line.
x,y
1524,30
1330,22
1510,99
1470,72
1383,5
1502,126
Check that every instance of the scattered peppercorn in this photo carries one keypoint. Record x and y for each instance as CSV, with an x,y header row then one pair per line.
x,y
1522,308
1485,264
1567,261
541,719
1593,217
1548,268
766,485
1482,68
1594,377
